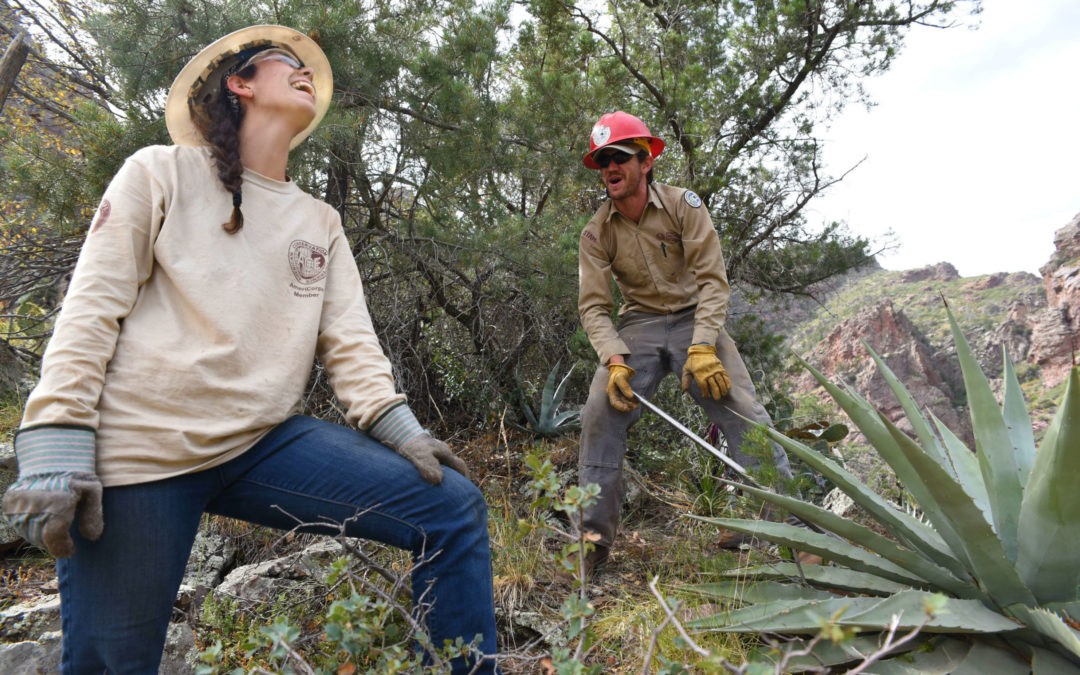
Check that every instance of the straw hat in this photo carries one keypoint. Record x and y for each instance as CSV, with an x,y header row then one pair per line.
x,y
200,80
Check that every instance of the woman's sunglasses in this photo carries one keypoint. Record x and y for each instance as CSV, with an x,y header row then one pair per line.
x,y
274,55
619,157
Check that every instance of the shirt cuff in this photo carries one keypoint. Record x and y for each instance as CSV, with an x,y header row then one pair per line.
x,y
611,348
705,336
396,426
55,449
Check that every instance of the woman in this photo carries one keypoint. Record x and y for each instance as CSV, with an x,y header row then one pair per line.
x,y
207,286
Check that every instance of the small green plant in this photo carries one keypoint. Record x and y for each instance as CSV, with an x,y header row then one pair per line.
x,y
577,610
550,423
367,627
995,558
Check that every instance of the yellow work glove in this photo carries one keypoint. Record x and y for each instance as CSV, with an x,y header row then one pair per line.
x,y
706,369
619,392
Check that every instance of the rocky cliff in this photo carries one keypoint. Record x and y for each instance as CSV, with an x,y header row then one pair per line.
x,y
901,316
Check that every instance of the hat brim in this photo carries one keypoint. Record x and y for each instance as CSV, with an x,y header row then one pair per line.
x,y
656,146
193,76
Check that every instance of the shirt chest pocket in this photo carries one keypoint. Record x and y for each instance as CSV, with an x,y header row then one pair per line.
x,y
667,254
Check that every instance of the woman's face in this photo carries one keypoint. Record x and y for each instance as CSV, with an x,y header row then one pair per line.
x,y
282,87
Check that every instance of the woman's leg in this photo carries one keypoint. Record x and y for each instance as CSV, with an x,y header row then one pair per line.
x,y
309,471
117,593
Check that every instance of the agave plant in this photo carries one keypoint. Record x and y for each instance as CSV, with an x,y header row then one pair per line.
x,y
551,423
986,580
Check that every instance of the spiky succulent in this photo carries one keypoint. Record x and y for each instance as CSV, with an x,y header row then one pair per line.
x,y
550,423
989,574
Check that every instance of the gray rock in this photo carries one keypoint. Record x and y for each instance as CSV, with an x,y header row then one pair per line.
x,y
180,654
30,620
293,575
31,657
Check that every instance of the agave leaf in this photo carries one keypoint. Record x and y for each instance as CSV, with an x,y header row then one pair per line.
x,y
758,591
868,421
1017,419
560,391
1046,662
1050,625
927,439
940,656
566,418
954,616
908,529
842,579
1049,557
955,657
863,536
954,506
823,545
782,616
529,416
548,405
997,458
829,653
965,468
1070,609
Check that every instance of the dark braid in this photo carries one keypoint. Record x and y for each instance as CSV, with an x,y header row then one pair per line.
x,y
220,124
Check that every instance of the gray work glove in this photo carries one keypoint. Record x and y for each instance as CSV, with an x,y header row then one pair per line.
x,y
56,484
429,454
398,429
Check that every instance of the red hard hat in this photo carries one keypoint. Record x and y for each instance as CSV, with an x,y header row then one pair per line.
x,y
619,126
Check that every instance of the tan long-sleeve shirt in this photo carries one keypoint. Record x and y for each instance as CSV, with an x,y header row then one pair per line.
x,y
668,261
181,344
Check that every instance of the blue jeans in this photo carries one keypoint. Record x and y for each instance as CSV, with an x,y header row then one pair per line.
x,y
117,592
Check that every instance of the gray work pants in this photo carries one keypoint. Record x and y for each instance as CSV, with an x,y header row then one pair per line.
x,y
658,345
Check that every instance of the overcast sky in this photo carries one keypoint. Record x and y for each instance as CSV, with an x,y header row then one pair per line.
x,y
973,150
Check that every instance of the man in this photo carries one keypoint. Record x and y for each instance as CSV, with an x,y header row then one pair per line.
x,y
660,245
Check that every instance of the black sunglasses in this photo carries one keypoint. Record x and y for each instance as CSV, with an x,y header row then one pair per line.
x,y
618,157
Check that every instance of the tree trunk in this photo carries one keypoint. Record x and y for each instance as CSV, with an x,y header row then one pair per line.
x,y
14,58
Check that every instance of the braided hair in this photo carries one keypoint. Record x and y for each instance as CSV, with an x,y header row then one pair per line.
x,y
219,121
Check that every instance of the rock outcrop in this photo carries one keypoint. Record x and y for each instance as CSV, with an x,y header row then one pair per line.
x,y
932,380
1056,330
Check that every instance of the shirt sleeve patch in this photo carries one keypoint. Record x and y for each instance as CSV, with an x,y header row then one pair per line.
x,y
101,215
692,199
588,235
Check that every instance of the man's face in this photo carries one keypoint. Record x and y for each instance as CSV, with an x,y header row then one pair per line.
x,y
626,179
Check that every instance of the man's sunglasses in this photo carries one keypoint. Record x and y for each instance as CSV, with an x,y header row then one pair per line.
x,y
619,157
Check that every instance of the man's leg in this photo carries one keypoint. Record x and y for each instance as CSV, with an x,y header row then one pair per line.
x,y
604,429
117,593
600,457
309,471
741,400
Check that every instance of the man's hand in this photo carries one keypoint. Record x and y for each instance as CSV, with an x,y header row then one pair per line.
x,y
619,393
428,454
56,485
703,365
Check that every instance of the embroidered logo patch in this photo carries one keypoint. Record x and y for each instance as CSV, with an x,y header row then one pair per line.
x,y
669,237
600,134
307,261
101,215
588,235
692,199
